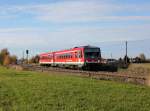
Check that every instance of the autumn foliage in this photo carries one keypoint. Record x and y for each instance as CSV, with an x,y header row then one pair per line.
x,y
34,59
6,58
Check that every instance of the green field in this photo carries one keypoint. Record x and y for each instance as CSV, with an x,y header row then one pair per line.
x,y
32,91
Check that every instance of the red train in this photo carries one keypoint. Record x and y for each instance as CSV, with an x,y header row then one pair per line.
x,y
85,57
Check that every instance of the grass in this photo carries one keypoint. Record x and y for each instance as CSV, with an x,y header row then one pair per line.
x,y
141,69
32,91
142,65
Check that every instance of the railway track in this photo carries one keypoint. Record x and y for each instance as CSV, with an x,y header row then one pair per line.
x,y
92,74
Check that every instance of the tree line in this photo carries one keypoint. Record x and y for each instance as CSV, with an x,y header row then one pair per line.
x,y
6,58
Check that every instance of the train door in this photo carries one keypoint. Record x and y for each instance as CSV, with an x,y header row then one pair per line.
x,y
53,59
78,56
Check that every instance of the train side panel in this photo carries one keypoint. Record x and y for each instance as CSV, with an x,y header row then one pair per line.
x,y
73,57
46,59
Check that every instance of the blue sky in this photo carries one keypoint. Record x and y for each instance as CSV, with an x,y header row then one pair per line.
x,y
49,25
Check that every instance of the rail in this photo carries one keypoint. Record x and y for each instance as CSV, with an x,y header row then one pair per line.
x,y
101,75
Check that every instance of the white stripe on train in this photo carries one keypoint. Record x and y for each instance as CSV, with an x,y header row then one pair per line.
x,y
66,62
62,62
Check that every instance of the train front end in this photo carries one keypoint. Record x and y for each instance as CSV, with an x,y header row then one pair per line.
x,y
92,57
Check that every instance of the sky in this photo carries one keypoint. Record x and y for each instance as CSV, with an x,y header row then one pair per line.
x,y
49,25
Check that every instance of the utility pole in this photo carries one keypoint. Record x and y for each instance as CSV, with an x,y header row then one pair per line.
x,y
126,52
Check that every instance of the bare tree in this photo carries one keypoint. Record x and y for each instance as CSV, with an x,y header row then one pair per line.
x,y
13,59
142,57
34,59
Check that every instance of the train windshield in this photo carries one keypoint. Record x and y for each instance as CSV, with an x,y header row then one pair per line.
x,y
92,53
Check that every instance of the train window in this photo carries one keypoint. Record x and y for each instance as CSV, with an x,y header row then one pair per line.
x,y
76,55
66,56
49,56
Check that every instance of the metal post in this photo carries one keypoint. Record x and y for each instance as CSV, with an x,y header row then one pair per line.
x,y
27,52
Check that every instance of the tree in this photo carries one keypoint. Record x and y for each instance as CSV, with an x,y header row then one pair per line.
x,y
142,57
120,59
7,60
13,59
37,58
34,59
126,58
4,52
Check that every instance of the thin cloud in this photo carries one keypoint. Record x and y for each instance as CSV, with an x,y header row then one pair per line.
x,y
32,37
78,11
96,18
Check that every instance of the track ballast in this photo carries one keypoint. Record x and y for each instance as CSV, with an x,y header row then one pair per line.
x,y
92,74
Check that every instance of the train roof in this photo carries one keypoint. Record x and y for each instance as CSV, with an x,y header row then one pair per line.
x,y
88,46
76,48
